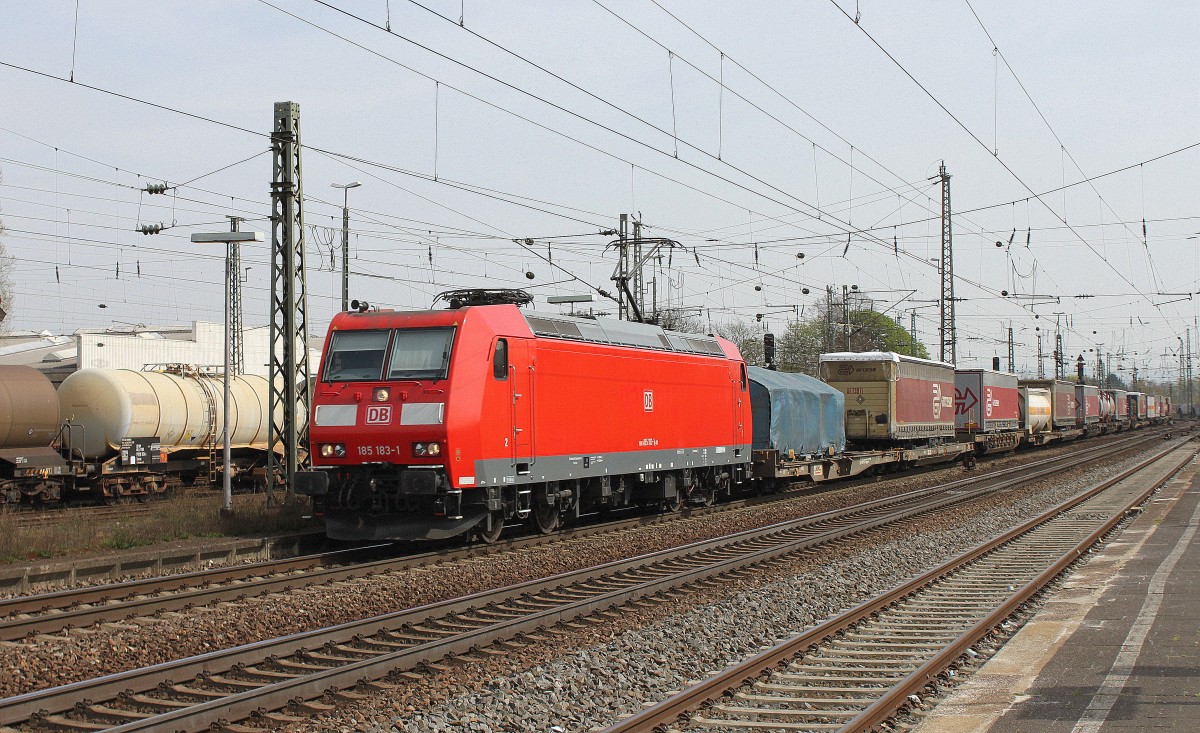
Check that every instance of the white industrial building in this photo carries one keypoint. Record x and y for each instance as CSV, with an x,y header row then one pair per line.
x,y
140,347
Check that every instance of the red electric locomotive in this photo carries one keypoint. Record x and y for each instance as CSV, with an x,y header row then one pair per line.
x,y
431,424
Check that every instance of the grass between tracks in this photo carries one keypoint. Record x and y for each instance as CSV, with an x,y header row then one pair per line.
x,y
175,519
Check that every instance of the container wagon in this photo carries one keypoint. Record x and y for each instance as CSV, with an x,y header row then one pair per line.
x,y
1120,400
986,409
1087,408
1137,408
1062,405
1036,412
892,399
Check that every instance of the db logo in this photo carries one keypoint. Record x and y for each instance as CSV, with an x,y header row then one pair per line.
x,y
648,400
378,414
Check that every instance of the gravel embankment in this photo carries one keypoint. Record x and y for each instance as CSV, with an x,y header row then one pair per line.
x,y
86,653
589,679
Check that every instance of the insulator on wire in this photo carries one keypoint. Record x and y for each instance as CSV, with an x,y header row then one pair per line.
x,y
156,188
150,228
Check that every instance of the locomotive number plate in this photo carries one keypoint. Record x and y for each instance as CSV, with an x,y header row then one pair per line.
x,y
379,450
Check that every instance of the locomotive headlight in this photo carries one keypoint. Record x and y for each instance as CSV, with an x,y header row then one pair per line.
x,y
339,450
419,449
333,450
326,450
381,394
435,449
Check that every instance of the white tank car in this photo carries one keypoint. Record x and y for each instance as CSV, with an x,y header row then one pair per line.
x,y
106,406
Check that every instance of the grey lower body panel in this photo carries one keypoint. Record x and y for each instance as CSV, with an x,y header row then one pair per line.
x,y
538,469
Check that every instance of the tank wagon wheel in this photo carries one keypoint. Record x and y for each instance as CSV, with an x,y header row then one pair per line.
x,y
490,536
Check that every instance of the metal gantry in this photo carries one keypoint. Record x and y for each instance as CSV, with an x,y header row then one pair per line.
x,y
289,373
948,353
233,282
628,275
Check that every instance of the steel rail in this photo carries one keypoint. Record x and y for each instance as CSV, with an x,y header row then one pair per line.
x,y
666,713
66,697
22,616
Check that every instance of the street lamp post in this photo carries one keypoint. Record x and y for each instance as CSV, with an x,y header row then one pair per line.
x,y
231,239
346,239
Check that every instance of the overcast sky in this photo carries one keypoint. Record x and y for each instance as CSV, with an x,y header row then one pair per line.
x,y
754,133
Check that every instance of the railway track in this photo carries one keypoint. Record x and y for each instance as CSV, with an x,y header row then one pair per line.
x,y
235,684
24,616
873,665
50,517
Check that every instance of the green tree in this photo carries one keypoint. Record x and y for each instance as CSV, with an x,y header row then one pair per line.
x,y
800,345
871,331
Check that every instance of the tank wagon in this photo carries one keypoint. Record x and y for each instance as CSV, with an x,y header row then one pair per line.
x,y
139,433
430,424
30,469
987,409
892,398
110,434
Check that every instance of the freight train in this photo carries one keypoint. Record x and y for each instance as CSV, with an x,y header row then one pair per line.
x,y
440,423
113,434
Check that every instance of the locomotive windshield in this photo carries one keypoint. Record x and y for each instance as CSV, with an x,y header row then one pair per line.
x,y
356,356
420,353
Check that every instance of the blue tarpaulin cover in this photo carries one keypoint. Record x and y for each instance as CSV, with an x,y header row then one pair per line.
x,y
796,412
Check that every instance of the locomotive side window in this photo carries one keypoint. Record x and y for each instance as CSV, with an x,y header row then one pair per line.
x,y
500,360
421,353
356,356
743,377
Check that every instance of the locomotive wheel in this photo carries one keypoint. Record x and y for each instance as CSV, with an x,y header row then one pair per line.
x,y
490,536
708,497
674,503
546,518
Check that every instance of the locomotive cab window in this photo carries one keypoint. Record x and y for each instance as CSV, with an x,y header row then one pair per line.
x,y
500,360
743,377
356,356
421,353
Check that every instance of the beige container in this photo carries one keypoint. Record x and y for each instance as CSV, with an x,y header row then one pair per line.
x,y
28,408
108,405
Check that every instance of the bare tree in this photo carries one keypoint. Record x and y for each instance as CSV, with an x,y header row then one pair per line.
x,y
746,336
677,319
6,282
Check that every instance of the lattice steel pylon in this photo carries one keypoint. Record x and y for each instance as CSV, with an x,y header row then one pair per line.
x,y
233,280
946,302
289,388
